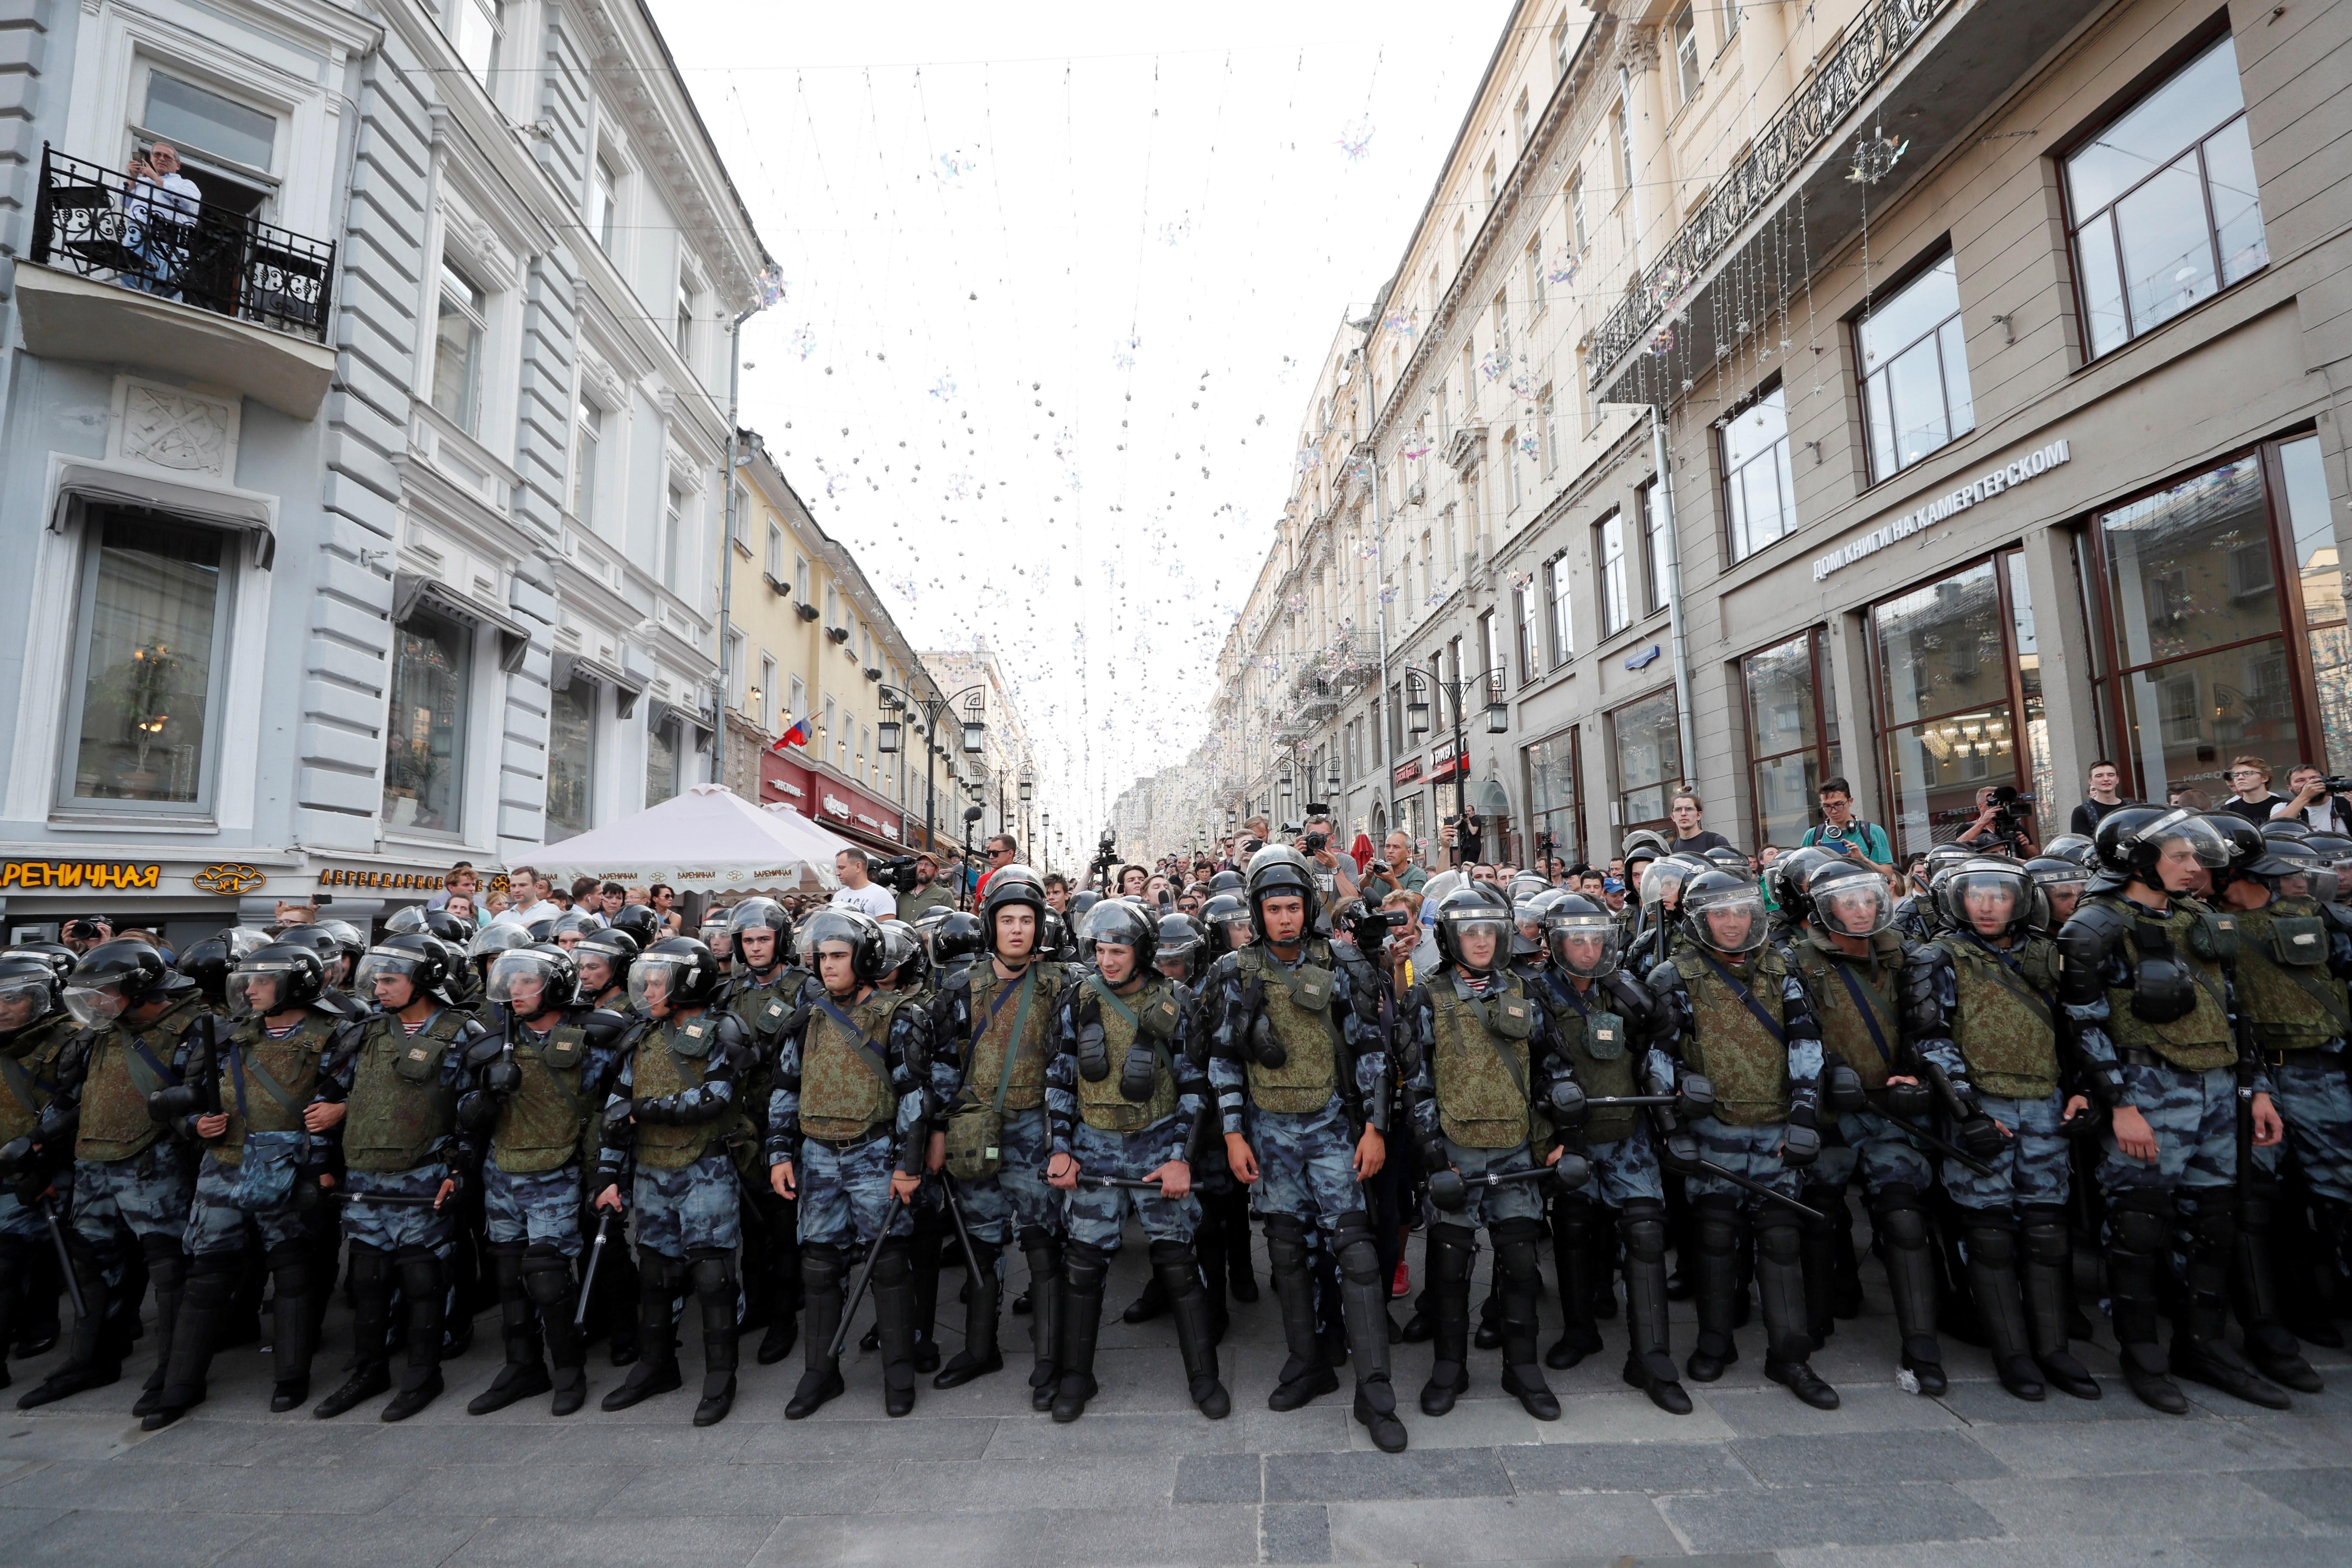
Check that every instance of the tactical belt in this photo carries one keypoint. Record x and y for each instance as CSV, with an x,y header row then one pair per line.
x,y
2141,1056
842,1145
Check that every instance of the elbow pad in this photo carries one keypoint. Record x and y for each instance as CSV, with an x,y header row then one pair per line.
x,y
1800,1145
1139,1074
1094,1053
476,1111
503,1077
1568,1107
1842,1088
1269,1051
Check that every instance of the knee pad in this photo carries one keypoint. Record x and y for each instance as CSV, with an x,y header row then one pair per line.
x,y
1576,1216
820,1266
212,1267
1352,1228
1032,1237
293,1267
1452,1249
1171,1255
1991,1237
1778,1237
1644,1226
1714,1223
2257,1199
1355,1251
420,1273
2213,1223
713,1272
1085,1267
1831,1202
894,1263
1515,1246
506,1263
1895,1210
2142,1222
371,1267
658,1274
546,1276
2042,1233
163,1252
1286,1243
985,1254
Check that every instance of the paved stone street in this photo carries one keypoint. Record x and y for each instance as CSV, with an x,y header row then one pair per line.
x,y
974,1478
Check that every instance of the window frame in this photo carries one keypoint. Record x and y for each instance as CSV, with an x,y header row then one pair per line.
x,y
1828,753
476,316
467,642
587,457
1609,571
1560,610
1735,527
1572,738
1682,39
1908,278
1653,538
1670,780
594,717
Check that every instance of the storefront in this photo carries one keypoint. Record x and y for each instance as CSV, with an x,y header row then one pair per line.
x,y
815,792
184,898
1789,699
1554,776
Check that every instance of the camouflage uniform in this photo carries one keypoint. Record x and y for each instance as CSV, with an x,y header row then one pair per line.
x,y
767,1005
32,1067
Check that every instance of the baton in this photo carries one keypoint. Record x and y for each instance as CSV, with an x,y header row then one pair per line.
x,y
1748,1185
65,1258
856,1294
964,1234
1132,1184
397,1200
1571,1176
595,1256
1941,1145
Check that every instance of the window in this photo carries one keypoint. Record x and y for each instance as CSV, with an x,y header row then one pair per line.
x,y
1649,758
673,538
1461,243
149,663
1519,120
424,726
229,148
1494,186
1535,275
800,579
1556,610
865,645
473,28
604,203
1490,652
588,436
2303,486
1576,224
686,302
661,761
2163,203
1731,20
1915,371
1759,502
832,607
1792,737
1499,318
1616,597
737,681
1511,468
1657,568
799,709
831,731
1524,615
1428,566
1619,129
458,350
1559,49
1684,31
775,559
1550,414
763,703
1555,801
570,758
739,516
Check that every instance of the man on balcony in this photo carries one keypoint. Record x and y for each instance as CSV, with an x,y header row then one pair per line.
x,y
160,208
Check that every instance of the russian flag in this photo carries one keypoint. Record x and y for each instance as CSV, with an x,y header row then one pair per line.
x,y
798,735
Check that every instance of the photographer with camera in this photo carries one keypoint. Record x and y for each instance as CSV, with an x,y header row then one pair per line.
x,y
928,893
858,890
1334,871
2318,801
1999,827
1842,833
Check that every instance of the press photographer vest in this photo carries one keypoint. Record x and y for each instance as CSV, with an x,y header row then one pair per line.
x,y
1299,1012
114,1121
1844,1030
539,1126
844,1094
1152,1011
2285,988
1747,1063
669,1061
2006,1025
1479,1060
292,1063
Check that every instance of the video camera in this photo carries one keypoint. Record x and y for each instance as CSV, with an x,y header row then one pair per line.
x,y
896,873
1372,927
2011,808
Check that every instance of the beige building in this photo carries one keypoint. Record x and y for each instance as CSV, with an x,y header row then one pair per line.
x,y
1002,779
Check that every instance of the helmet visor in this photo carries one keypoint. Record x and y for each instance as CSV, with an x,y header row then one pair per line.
x,y
2204,839
1463,927
1731,921
1584,945
252,992
522,981
386,963
653,979
93,1006
1661,878
1855,906
496,938
1983,900
23,1000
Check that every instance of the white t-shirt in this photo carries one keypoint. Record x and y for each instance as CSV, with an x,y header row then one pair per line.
x,y
872,898
545,910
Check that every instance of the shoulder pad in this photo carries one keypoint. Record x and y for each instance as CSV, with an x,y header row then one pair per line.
x,y
1630,990
2097,924
731,1030
481,1052
958,978
1669,974
604,1026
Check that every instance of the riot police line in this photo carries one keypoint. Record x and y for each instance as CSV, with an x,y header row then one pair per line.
x,y
2134,1045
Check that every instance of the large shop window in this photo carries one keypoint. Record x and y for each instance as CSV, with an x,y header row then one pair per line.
x,y
425,731
2163,203
1554,800
570,758
149,661
1649,758
1759,498
661,761
1793,735
2202,643
1915,371
1960,697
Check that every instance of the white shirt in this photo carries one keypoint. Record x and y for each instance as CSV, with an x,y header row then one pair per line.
x,y
872,898
545,910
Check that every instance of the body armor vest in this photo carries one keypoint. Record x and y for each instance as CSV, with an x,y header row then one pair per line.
x,y
1027,1090
32,1074
1843,1028
1747,1063
291,1063
400,1111
844,1093
2285,988
1480,1064
1594,1036
668,1060
539,1126
2010,1044
1104,1108
115,1086
1298,1011
764,1009
2199,1041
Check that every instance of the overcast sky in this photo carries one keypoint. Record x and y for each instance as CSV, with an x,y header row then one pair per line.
x,y
1058,280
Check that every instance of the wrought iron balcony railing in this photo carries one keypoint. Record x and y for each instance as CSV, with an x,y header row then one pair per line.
x,y
130,230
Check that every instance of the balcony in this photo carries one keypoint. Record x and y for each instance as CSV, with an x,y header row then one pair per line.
x,y
125,275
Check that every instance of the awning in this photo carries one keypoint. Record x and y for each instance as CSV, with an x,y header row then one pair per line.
x,y
409,588
79,484
568,667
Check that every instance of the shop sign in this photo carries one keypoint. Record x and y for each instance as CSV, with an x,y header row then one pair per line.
x,y
1983,488
393,881
228,878
1406,770
101,874
838,807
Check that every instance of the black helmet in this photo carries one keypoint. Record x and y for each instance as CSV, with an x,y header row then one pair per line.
x,y
120,973
1784,879
1183,940
1942,857
1725,856
1054,940
2335,856
454,928
1523,886
2131,838
322,941
2074,847
542,978
498,937
1711,902
1669,874
611,951
542,929
1991,886
418,957
1278,870
1121,923
1846,899
765,914
1644,843
574,923
2289,859
902,952
1008,886
1226,919
207,961
955,937
1228,881
56,955
2251,854
681,969
2287,828
294,972
840,923
1583,935
2049,872
1528,918
641,922
348,937
1474,906
29,990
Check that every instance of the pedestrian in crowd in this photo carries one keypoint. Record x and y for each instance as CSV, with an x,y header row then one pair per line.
x,y
2250,786
2105,781
1844,833
461,879
858,890
1691,838
2314,802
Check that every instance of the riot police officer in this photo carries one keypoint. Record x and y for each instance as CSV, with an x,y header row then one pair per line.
x,y
1738,1018
765,992
2145,988
391,1084
36,1031
1124,1087
677,1090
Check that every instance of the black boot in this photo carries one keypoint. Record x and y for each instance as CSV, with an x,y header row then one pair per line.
x,y
2312,1282
2045,1269
1991,1243
1177,1270
523,1373
427,1286
2254,1290
1521,1285
1149,1303
1820,1241
981,1355
1575,1247
713,1274
1421,1323
1045,1253
205,1308
1304,1372
1363,1302
1901,1221
167,1270
820,1302
1780,1285
1083,1268
95,1357
2201,1351
1453,1251
655,1371
15,1263
30,1284
1649,1352
894,1311
293,1326
1714,1260
371,1288
1241,1268
924,1251
2140,1236
547,1281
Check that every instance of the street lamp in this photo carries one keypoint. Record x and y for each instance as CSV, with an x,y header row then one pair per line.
x,y
896,701
1418,684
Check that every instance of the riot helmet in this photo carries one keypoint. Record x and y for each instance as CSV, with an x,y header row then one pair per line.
x,y
755,916
1848,899
1582,936
326,945
903,959
208,961
1227,882
1642,846
1989,897
1471,913
528,981
1122,922
1010,887
118,974
2075,846
280,977
349,938
642,921
498,937
571,926
417,958
1723,910
2287,828
1527,919
1523,886
1662,880
1784,879
1054,940
1725,856
956,937
29,991
2142,842
1227,917
675,972
1183,948
603,960
2058,883
1279,871
837,925
56,955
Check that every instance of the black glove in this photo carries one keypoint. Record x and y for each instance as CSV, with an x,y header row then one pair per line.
x,y
1094,1052
617,1115
1800,1146
1269,1050
1568,1108
1680,1153
1447,1190
1980,1135
1696,1096
503,1077
1572,1171
1909,1101
457,1188
476,1111
1842,1088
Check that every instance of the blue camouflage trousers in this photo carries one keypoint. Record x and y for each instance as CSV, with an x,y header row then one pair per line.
x,y
1098,1214
538,1207
216,1222
2194,1116
1750,1151
688,1208
23,1222
388,1228
1881,1150
1626,1169
845,1193
1306,1164
146,1195
1512,1200
2315,1102
998,1208
2032,1167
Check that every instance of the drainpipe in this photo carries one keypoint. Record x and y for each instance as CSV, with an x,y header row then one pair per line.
x,y
727,542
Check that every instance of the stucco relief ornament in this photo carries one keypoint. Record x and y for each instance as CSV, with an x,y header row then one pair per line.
x,y
173,431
